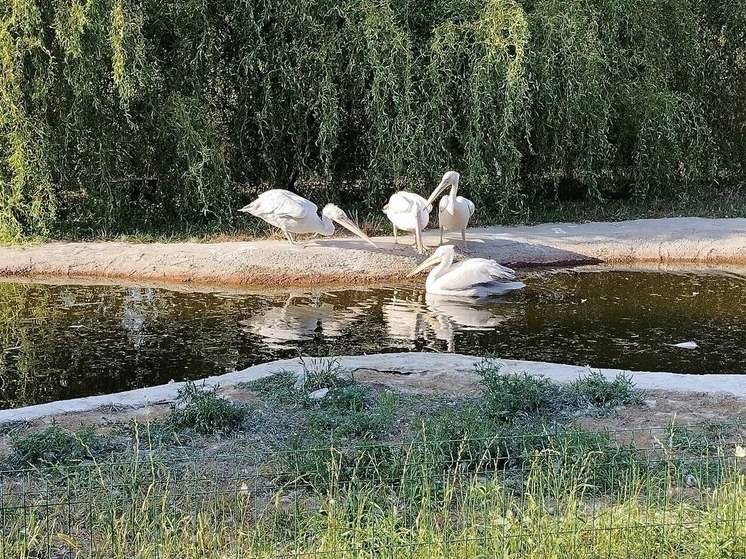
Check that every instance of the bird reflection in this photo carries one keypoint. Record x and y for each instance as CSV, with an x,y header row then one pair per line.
x,y
447,316
440,318
301,317
405,318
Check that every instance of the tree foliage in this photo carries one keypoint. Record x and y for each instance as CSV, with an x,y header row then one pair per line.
x,y
122,114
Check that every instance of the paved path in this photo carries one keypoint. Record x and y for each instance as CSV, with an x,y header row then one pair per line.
x,y
349,261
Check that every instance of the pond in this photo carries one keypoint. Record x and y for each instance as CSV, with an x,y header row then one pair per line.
x,y
64,341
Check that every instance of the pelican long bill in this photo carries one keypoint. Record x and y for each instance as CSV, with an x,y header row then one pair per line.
x,y
350,225
431,261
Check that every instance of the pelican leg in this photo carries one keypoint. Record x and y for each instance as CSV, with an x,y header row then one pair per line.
x,y
290,237
463,238
418,241
396,239
441,237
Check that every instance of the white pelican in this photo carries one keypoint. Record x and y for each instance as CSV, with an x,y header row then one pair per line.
x,y
474,277
454,211
411,212
294,214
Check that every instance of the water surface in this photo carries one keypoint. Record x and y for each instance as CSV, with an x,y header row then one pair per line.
x,y
63,341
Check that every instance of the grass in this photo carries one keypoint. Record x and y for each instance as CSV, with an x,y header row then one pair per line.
x,y
388,501
368,472
203,411
55,445
597,391
514,396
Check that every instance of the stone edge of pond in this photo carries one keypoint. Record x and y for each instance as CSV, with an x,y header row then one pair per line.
x,y
422,365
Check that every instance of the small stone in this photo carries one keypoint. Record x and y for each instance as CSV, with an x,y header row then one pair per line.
x,y
650,403
318,394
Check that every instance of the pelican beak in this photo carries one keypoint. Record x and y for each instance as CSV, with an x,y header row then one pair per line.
x,y
431,261
245,209
437,192
350,225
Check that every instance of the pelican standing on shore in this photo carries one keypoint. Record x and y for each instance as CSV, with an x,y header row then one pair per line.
x,y
410,212
295,215
474,277
454,211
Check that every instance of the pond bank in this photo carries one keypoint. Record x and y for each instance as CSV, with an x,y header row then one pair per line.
x,y
414,372
348,261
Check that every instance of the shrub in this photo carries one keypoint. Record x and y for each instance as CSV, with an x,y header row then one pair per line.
x,y
278,388
322,373
348,411
597,390
55,445
202,410
509,395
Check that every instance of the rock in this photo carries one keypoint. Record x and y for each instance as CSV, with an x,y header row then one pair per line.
x,y
318,394
650,403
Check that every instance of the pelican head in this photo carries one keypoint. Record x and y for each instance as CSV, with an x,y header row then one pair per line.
x,y
450,179
336,214
445,252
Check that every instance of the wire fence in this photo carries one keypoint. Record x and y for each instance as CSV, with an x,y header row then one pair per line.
x,y
668,492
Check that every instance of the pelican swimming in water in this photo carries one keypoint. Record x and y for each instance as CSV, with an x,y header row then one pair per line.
x,y
294,214
411,212
474,277
454,211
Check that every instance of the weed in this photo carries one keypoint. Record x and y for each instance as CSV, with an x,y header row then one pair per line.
x,y
348,411
598,391
278,388
507,396
55,445
202,410
322,373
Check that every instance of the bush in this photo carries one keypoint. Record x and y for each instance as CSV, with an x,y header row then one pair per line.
x,y
596,390
203,411
322,373
508,396
349,411
55,445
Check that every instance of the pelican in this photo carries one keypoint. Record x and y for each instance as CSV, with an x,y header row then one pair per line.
x,y
411,212
474,277
294,214
454,211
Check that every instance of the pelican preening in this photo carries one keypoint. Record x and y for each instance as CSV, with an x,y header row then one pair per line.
x,y
411,212
294,214
474,277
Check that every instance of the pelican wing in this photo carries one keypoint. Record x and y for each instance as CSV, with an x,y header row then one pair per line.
x,y
405,202
471,272
282,204
471,206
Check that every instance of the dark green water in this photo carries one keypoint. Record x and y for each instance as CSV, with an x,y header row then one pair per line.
x,y
63,341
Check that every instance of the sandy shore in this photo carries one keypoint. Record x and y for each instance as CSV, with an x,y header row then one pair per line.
x,y
704,242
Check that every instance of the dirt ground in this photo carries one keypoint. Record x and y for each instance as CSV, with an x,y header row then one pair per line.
x,y
347,261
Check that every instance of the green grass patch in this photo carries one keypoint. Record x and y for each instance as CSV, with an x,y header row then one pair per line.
x,y
203,411
598,391
56,445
